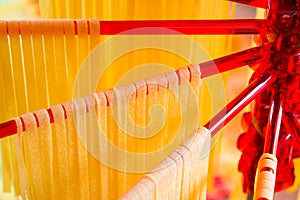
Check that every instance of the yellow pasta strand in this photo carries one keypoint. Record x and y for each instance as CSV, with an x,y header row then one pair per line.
x,y
29,65
61,69
40,66
9,104
18,67
49,48
6,167
71,53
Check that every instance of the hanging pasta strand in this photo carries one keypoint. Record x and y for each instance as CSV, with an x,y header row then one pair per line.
x,y
9,104
60,164
32,158
71,53
184,173
40,65
73,143
80,126
29,65
45,145
93,141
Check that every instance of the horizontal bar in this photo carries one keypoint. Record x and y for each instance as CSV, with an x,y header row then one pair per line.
x,y
230,62
188,27
10,128
239,103
256,3
135,27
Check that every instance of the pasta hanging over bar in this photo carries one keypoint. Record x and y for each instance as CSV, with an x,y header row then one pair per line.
x,y
183,173
65,159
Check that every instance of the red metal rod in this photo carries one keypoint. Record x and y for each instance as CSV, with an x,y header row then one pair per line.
x,y
273,126
240,102
188,27
10,128
230,62
141,27
256,3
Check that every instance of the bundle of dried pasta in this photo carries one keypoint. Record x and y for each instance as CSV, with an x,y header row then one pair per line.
x,y
99,146
39,63
182,175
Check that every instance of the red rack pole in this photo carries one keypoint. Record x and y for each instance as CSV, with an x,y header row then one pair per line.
x,y
188,27
10,127
232,61
274,122
146,27
265,179
240,102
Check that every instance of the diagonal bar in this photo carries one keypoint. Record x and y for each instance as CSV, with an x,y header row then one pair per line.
x,y
240,102
231,61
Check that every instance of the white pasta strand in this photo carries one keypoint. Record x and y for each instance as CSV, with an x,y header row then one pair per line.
x,y
176,176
